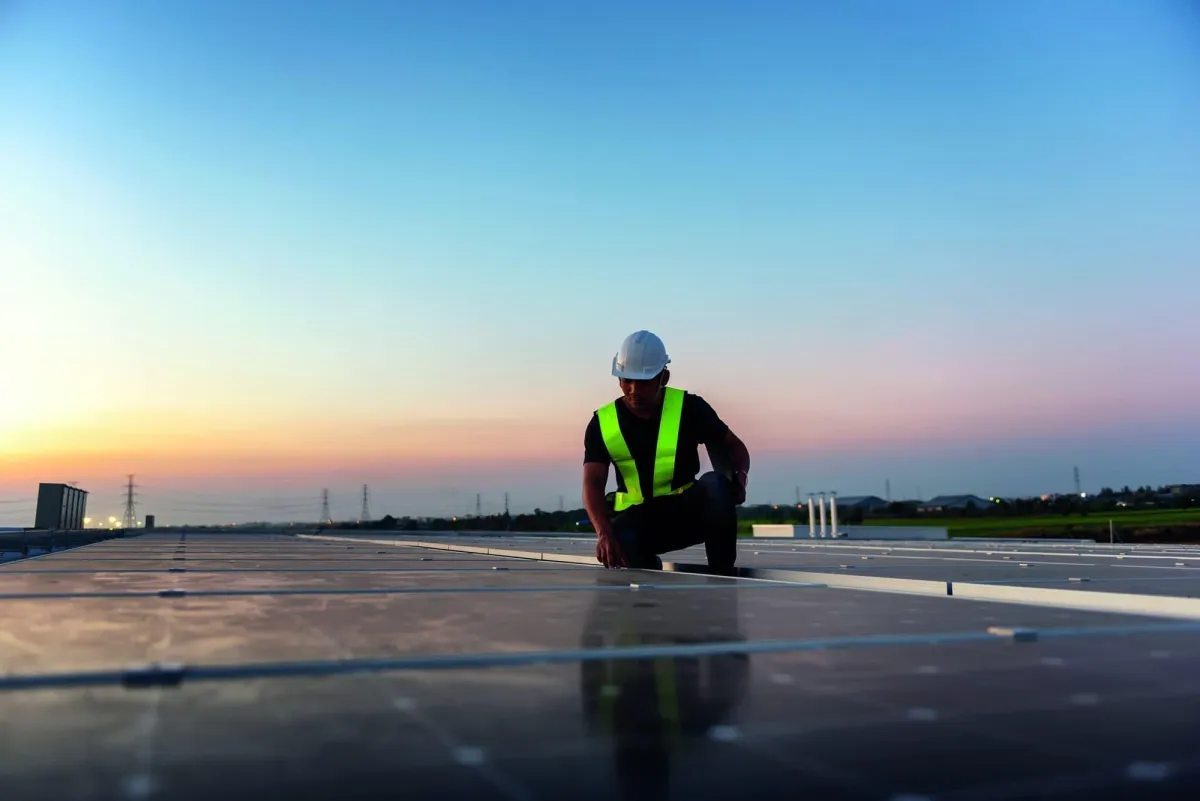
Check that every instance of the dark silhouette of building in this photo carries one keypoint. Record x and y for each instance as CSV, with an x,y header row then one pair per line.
x,y
60,507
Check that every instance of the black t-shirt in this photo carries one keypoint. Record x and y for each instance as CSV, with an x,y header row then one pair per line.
x,y
698,425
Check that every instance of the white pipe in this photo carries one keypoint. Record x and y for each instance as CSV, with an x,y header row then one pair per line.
x,y
833,513
812,518
822,508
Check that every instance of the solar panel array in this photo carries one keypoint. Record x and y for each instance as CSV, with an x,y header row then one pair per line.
x,y
423,666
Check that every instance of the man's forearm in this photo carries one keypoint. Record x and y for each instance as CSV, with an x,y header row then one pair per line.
x,y
739,455
597,509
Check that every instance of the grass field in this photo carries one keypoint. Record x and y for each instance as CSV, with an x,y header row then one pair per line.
x,y
1091,524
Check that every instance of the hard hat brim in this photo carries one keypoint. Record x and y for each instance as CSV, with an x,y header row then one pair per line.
x,y
634,375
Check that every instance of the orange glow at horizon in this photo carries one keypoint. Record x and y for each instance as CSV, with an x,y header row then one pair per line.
x,y
253,438
192,446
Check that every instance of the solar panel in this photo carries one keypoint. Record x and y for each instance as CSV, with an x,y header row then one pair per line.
x,y
513,667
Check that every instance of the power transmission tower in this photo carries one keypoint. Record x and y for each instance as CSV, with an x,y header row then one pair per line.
x,y
560,503
506,504
130,518
1078,490
366,510
888,490
478,505
325,516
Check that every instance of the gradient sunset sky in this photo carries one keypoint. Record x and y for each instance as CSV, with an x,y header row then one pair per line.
x,y
251,250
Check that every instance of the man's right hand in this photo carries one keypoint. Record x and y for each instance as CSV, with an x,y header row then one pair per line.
x,y
609,552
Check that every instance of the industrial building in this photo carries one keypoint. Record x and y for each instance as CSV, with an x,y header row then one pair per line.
x,y
868,503
60,507
944,503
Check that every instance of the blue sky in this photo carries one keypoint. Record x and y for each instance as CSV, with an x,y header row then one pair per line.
x,y
858,226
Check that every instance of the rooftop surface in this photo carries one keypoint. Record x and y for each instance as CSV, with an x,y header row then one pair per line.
x,y
423,666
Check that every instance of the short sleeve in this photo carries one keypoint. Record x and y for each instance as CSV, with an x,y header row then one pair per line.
x,y
710,428
594,449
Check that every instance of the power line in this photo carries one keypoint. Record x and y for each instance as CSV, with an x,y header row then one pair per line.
x,y
240,507
243,501
205,497
310,510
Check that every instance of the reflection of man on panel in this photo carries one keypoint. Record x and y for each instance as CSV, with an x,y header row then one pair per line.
x,y
652,707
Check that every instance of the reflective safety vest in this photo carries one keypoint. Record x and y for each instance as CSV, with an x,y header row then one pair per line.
x,y
664,454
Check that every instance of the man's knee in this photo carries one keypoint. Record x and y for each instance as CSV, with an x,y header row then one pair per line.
x,y
718,490
634,541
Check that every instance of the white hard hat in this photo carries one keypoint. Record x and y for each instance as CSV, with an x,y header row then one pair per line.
x,y
642,356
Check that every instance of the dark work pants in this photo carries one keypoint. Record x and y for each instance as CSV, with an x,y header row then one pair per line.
x,y
704,513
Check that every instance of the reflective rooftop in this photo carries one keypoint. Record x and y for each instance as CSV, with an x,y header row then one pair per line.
x,y
424,666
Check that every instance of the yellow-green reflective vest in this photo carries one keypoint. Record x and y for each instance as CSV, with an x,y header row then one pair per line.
x,y
664,454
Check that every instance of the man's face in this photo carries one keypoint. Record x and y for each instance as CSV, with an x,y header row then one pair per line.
x,y
643,393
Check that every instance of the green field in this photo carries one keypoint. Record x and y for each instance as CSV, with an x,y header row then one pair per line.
x,y
1064,525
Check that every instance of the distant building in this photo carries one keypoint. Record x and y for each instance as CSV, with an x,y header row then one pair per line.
x,y
868,503
943,503
60,507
